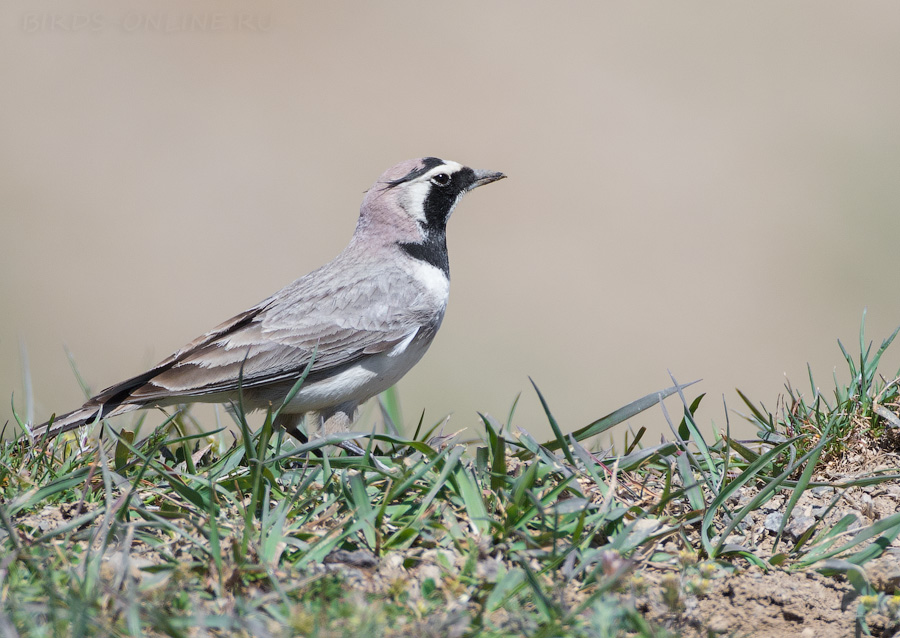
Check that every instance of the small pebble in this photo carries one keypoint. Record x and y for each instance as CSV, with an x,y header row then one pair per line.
x,y
773,521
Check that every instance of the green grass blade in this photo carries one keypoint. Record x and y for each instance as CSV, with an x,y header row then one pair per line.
x,y
389,404
886,530
722,497
470,493
560,439
622,414
802,485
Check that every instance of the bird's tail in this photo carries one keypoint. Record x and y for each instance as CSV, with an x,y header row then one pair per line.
x,y
77,418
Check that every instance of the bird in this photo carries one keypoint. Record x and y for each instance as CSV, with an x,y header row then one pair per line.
x,y
359,323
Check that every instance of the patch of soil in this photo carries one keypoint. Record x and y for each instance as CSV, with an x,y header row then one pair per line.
x,y
765,605
780,603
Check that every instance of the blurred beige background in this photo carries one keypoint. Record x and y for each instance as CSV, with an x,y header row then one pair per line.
x,y
710,188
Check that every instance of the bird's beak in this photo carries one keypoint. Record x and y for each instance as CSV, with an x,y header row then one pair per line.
x,y
485,177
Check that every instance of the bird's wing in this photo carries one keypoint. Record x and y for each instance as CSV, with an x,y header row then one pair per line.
x,y
342,323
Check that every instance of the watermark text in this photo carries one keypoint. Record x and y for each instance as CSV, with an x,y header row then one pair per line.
x,y
146,22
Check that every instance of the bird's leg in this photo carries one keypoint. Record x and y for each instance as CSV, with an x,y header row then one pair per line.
x,y
338,420
291,423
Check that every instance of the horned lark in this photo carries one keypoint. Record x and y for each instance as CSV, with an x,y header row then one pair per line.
x,y
369,315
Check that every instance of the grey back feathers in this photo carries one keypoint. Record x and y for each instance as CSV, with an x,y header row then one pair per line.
x,y
369,315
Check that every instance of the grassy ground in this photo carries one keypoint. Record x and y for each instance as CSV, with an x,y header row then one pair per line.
x,y
701,535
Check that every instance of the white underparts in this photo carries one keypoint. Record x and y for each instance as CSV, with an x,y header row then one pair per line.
x,y
363,380
433,279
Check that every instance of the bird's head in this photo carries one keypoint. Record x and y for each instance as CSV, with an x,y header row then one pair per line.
x,y
415,198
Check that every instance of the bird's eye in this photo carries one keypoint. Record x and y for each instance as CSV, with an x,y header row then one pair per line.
x,y
441,179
